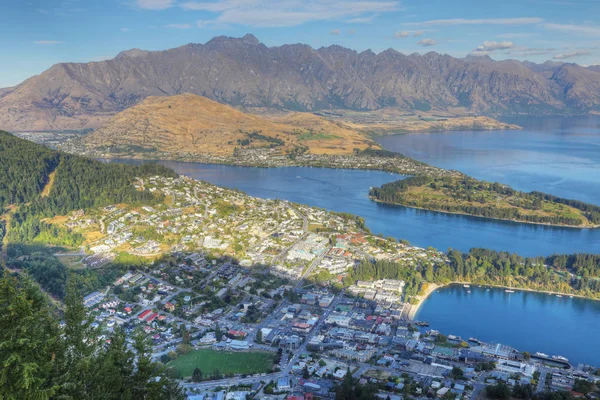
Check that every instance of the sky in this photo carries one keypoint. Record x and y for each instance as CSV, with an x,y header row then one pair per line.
x,y
35,34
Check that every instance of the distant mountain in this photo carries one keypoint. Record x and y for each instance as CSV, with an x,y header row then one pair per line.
x,y
195,124
243,72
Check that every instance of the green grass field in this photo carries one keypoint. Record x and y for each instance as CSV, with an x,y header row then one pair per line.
x,y
226,362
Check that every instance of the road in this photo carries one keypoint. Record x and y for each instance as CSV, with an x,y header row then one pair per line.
x,y
282,255
542,382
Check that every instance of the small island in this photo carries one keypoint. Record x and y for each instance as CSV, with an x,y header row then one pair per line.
x,y
460,194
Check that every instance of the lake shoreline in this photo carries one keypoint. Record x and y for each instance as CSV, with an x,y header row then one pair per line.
x,y
346,167
414,308
486,218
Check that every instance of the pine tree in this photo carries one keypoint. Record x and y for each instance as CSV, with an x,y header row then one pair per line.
x,y
29,342
197,375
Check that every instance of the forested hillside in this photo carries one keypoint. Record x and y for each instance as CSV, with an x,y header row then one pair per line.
x,y
39,183
53,362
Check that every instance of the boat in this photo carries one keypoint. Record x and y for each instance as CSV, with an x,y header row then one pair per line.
x,y
559,295
422,323
560,358
487,290
509,290
466,285
468,291
570,297
474,340
543,355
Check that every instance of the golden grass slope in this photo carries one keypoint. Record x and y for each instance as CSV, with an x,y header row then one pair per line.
x,y
189,123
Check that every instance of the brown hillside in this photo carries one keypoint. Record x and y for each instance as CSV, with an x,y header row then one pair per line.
x,y
189,123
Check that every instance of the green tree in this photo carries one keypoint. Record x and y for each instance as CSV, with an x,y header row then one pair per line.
x,y
39,360
457,373
583,386
218,333
305,372
196,375
499,391
259,336
29,342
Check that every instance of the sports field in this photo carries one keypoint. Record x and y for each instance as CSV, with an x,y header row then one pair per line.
x,y
225,362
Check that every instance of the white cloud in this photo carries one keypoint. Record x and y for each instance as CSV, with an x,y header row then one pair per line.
x,y
278,13
426,42
361,20
335,32
587,30
402,34
154,4
206,6
178,26
515,35
564,56
124,29
489,46
482,21
418,33
49,42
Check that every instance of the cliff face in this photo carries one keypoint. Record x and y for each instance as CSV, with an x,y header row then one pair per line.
x,y
243,72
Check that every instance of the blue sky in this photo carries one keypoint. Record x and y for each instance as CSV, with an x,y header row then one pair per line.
x,y
35,34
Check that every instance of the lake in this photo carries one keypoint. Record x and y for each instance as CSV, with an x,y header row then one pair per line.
x,y
556,155
527,321
347,191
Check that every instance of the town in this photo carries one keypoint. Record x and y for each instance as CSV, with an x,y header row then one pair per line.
x,y
246,297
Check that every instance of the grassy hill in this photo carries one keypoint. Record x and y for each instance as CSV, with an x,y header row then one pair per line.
x,y
195,124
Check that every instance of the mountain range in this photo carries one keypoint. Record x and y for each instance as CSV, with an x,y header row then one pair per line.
x,y
245,73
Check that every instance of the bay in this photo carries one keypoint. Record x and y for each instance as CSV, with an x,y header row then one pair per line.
x,y
527,321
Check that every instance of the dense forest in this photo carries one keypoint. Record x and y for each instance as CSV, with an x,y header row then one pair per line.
x,y
40,183
490,200
25,169
51,362
46,269
576,274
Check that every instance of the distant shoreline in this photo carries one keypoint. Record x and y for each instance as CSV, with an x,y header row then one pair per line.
x,y
172,158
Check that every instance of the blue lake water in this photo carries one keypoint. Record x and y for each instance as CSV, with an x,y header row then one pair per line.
x,y
527,321
555,155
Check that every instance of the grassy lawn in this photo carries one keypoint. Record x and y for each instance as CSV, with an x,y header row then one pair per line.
x,y
226,362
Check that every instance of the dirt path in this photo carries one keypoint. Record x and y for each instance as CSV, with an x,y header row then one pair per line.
x,y
49,184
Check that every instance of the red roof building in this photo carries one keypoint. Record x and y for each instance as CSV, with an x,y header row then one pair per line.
x,y
144,315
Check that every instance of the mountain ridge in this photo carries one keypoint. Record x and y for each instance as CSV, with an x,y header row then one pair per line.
x,y
245,73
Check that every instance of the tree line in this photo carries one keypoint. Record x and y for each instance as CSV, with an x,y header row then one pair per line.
x,y
43,360
577,273
483,198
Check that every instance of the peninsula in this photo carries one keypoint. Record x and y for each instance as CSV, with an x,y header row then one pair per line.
x,y
461,194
